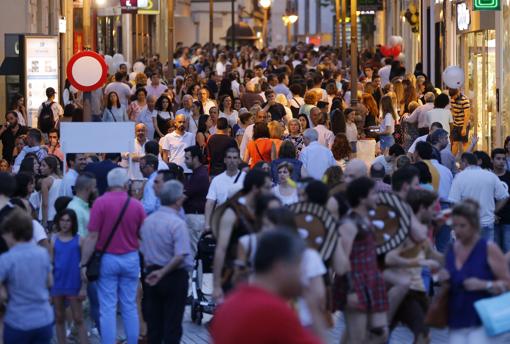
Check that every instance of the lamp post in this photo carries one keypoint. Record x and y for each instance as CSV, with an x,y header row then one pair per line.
x,y
265,4
289,18
354,52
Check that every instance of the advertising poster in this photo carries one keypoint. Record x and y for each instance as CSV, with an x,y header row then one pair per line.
x,y
41,72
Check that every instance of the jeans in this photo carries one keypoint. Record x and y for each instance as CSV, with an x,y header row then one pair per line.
x,y
196,223
164,307
502,234
118,282
488,232
93,303
41,335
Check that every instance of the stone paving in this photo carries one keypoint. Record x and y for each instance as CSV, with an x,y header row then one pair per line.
x,y
194,334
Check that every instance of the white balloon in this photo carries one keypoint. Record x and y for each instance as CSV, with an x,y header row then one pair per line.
x,y
118,58
138,67
453,77
132,76
396,40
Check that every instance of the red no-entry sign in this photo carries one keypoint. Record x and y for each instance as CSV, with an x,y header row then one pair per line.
x,y
87,71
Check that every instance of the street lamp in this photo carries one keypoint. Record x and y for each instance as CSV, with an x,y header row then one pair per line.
x,y
265,4
288,20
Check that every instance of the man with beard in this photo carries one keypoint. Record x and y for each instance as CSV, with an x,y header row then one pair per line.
x,y
176,142
233,220
8,134
76,162
418,260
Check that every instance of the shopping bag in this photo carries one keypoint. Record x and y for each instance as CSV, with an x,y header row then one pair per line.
x,y
495,314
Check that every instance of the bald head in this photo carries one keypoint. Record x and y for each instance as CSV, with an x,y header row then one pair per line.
x,y
356,168
377,171
180,123
141,132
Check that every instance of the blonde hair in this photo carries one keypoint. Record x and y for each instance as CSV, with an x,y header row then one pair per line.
x,y
294,120
276,130
282,99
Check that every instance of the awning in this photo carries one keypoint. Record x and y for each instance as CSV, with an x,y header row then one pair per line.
x,y
11,66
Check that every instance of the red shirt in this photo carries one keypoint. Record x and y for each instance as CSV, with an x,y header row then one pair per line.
x,y
251,315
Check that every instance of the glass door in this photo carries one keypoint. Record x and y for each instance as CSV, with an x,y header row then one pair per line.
x,y
478,57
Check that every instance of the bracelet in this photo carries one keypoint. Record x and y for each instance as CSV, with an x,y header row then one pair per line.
x,y
489,286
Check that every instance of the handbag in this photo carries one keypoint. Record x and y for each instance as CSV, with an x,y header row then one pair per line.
x,y
495,314
437,314
94,263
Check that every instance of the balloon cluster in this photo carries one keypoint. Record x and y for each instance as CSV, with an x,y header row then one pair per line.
x,y
113,63
393,48
412,16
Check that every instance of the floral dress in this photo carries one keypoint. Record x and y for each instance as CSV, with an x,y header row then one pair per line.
x,y
297,141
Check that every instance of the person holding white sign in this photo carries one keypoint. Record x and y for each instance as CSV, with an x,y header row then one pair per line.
x,y
176,142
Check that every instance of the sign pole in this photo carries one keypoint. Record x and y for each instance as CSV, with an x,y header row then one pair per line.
x,y
87,107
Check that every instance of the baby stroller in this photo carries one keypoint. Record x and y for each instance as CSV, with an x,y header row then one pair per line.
x,y
202,279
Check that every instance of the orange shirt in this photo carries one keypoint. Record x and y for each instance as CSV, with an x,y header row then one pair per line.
x,y
260,150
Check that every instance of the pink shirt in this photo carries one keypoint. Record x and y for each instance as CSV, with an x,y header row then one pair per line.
x,y
104,214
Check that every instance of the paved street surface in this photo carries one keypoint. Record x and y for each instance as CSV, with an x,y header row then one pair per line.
x,y
194,334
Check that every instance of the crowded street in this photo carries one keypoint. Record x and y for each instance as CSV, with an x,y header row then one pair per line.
x,y
254,171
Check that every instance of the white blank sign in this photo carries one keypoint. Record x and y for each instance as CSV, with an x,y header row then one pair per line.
x,y
97,137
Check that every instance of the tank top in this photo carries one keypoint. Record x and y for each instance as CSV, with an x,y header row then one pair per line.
x,y
53,194
66,267
461,310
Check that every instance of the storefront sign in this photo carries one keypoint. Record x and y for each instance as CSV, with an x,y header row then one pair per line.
x,y
41,72
152,8
129,6
486,5
463,17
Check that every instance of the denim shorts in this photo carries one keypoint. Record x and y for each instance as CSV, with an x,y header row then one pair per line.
x,y
354,146
386,141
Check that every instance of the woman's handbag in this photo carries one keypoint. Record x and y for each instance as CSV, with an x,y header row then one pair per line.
x,y
495,314
437,314
94,263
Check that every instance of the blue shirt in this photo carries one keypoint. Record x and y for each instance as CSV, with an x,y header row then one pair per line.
x,y
150,201
24,270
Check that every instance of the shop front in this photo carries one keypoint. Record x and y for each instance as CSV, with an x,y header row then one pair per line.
x,y
477,55
504,68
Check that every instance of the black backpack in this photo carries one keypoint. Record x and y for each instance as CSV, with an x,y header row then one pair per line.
x,y
46,121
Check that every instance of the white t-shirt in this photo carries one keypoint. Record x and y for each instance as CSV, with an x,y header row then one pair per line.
x,y
39,232
311,266
442,116
232,118
482,186
351,131
223,186
163,114
175,144
286,200
388,122
155,91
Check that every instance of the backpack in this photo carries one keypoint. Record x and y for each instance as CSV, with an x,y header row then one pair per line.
x,y
46,121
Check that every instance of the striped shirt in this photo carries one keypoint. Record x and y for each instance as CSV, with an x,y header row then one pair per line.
x,y
458,105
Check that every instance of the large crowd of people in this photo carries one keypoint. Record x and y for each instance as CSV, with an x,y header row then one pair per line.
x,y
227,146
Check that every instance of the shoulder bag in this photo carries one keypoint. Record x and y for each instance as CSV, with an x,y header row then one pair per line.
x,y
94,263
